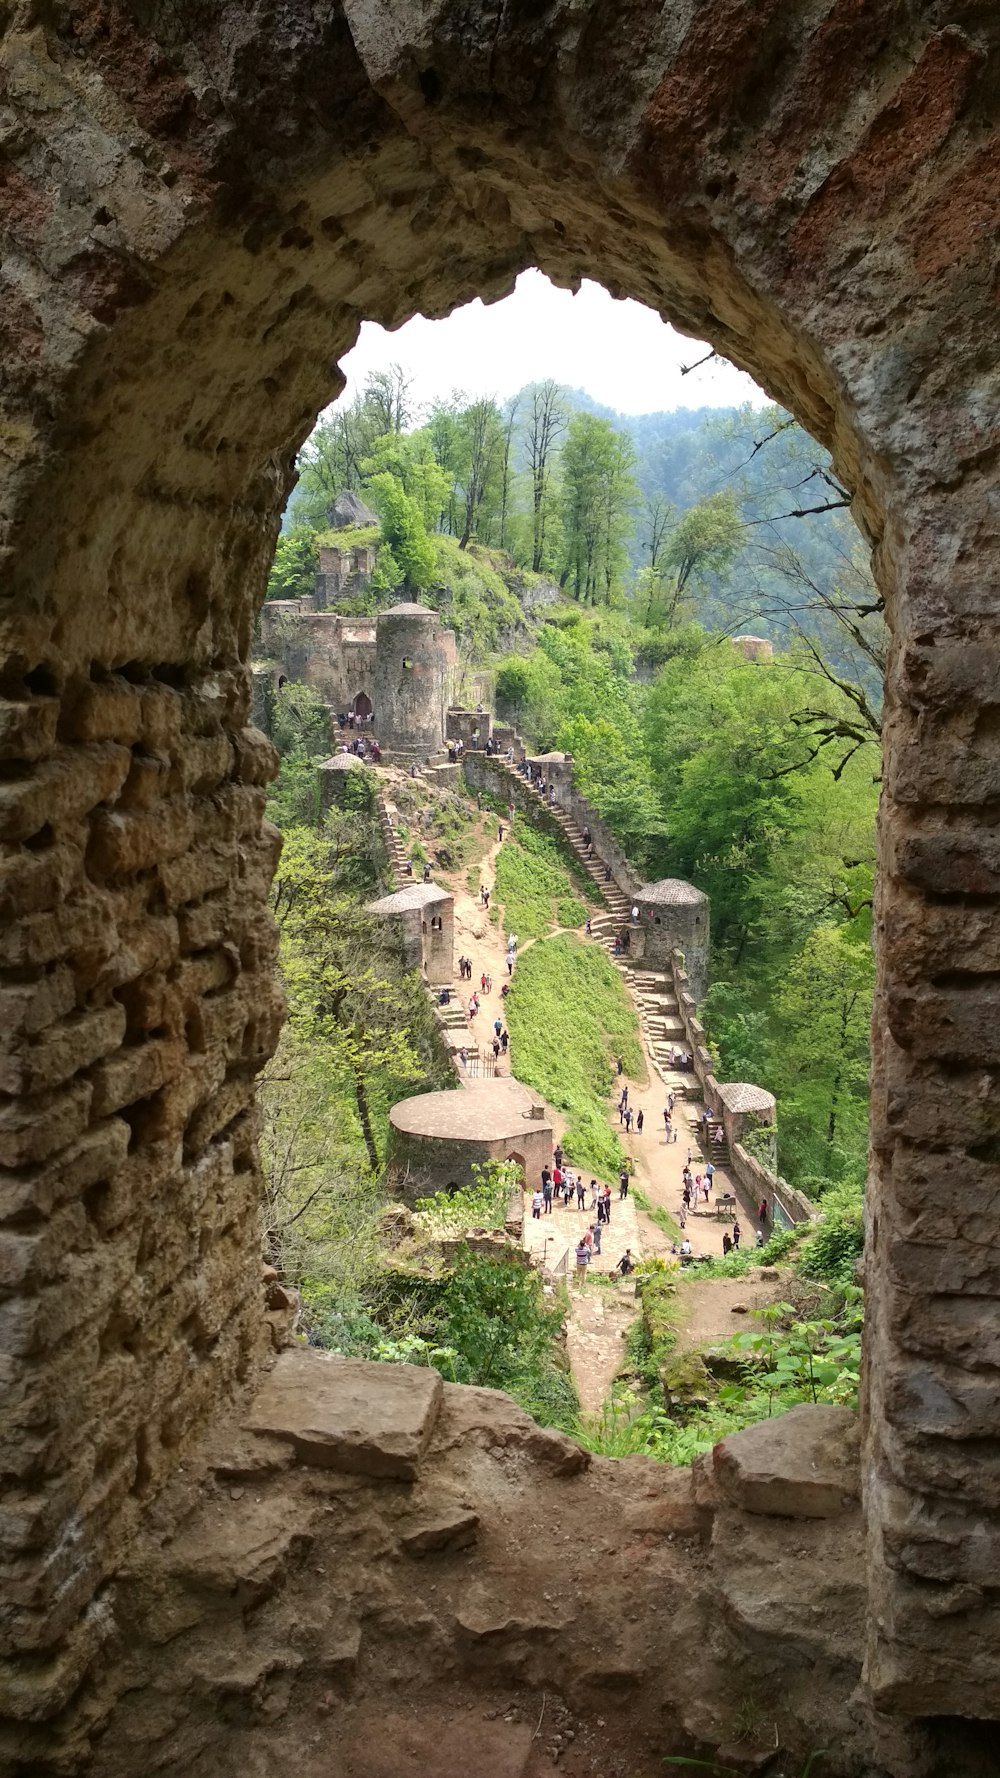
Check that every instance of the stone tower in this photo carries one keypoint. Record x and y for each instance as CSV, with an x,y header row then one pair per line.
x,y
413,655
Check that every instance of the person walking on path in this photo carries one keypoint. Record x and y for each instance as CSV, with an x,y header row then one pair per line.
x,y
536,1205
583,1259
510,963
737,1236
727,1244
626,1264
600,1207
623,1183
581,1192
557,1154
593,1194
607,1203
504,1041
547,1191
638,1121
628,1120
498,1025
710,1173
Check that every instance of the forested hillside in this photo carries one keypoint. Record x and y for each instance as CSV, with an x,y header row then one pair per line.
x,y
599,565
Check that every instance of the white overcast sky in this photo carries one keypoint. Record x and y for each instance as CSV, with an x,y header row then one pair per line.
x,y
621,353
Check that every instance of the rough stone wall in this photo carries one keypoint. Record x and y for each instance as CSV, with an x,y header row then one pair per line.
x,y
199,205
685,927
411,679
138,1004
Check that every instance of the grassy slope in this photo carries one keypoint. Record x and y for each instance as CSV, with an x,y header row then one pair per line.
x,y
537,885
569,1017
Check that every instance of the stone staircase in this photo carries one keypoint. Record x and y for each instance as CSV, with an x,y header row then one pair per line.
x,y
393,844
617,911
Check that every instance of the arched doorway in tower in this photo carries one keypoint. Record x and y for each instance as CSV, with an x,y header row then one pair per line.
x,y
362,707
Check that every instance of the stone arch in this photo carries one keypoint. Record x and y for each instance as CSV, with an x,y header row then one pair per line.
x,y
183,266
362,706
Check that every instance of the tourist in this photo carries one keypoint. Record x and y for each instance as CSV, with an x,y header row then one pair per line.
x,y
710,1173
705,1187
504,1041
727,1245
463,1056
629,1114
623,1183
736,1236
596,1231
568,1189
600,1207
427,871
557,1179
593,1194
505,990
583,1259
762,1211
626,1263
408,867
587,837
557,1154
589,932
482,982
696,1192
686,1250
607,1203
500,832
638,1122
620,1065
617,946
489,982
473,1006
496,1050
510,963
536,1205
624,1097
682,1216
547,1190
760,1238
581,1192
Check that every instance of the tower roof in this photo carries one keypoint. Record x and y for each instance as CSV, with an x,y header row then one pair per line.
x,y
408,609
671,892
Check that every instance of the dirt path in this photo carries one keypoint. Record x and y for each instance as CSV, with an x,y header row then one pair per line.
x,y
599,1317
710,1308
599,1320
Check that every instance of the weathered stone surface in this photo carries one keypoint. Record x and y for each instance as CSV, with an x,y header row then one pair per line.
x,y
493,1420
413,1744
339,1413
453,1528
803,1464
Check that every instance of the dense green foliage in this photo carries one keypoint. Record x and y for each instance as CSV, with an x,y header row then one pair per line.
x,y
709,771
786,1360
570,1018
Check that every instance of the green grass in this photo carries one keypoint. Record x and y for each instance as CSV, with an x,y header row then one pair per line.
x,y
569,1016
534,872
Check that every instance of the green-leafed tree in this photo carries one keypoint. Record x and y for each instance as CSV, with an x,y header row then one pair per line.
x,y
598,491
293,571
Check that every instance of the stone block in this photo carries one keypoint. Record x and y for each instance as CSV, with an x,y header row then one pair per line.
x,y
27,728
801,1465
33,1128
95,1156
345,1414
135,1073
489,1418
452,1528
104,710
62,787
65,1049
257,759
124,843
